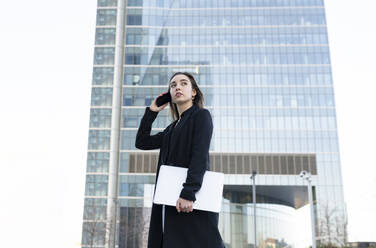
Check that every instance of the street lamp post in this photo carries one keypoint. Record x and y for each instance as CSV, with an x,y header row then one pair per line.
x,y
253,177
307,176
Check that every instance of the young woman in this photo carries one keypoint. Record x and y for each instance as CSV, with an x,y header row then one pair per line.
x,y
185,143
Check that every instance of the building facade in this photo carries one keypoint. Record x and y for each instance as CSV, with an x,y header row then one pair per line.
x,y
264,69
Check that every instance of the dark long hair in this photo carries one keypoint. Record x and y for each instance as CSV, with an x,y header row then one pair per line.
x,y
198,99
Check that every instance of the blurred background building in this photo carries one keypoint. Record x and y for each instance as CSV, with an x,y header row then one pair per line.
x,y
361,244
264,69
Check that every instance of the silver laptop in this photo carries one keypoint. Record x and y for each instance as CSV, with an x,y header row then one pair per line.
x,y
170,183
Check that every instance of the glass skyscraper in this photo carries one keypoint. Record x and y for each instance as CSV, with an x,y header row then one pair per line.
x,y
264,69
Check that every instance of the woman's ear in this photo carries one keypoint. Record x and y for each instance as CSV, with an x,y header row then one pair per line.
x,y
194,92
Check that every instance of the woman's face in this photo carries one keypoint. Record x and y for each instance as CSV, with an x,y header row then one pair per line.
x,y
181,89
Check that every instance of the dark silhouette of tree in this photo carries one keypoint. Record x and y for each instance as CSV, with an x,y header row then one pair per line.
x,y
332,227
133,227
94,225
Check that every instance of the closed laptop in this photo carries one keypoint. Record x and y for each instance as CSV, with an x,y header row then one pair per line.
x,y
170,183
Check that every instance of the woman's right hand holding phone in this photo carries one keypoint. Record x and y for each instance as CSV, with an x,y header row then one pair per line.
x,y
153,106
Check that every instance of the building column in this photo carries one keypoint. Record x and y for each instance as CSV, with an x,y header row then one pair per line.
x,y
113,176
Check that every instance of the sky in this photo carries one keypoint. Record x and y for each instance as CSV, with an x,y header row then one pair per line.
x,y
46,51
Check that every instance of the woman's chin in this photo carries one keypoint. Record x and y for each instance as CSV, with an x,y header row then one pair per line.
x,y
178,100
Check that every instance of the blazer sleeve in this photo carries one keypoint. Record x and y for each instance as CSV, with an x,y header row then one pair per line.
x,y
202,135
144,140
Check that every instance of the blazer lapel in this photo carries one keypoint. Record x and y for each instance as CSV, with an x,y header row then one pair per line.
x,y
166,143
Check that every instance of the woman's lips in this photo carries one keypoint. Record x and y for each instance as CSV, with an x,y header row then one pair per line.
x,y
178,94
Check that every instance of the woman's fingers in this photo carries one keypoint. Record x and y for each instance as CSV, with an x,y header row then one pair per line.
x,y
190,208
184,206
178,206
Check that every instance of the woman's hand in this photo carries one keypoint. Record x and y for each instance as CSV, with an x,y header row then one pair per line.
x,y
153,106
184,205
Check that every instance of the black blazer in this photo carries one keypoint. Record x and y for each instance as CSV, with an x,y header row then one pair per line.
x,y
186,145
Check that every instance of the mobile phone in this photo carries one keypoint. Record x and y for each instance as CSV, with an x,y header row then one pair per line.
x,y
166,97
